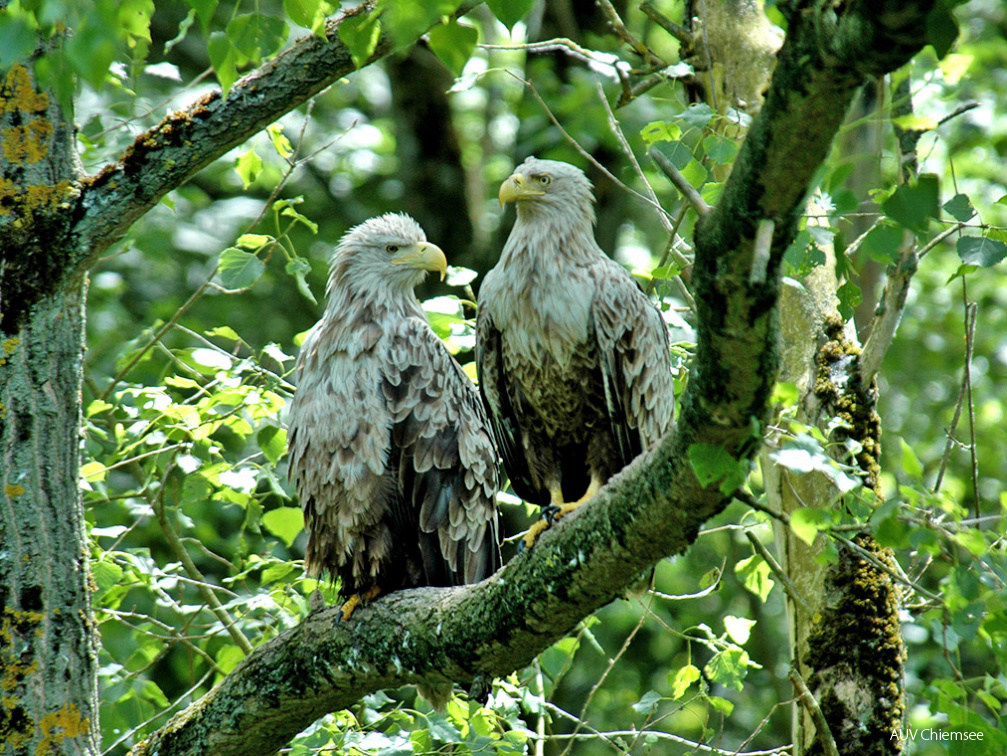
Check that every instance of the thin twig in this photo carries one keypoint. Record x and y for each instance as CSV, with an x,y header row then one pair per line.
x,y
680,33
746,498
624,34
681,183
777,570
179,550
670,226
971,311
809,702
587,155
594,689
956,417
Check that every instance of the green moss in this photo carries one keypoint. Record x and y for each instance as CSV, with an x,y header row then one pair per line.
x,y
858,638
845,397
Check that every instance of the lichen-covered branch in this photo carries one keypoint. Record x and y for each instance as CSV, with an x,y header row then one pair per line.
x,y
652,509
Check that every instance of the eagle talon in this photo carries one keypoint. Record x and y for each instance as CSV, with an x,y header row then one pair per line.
x,y
356,601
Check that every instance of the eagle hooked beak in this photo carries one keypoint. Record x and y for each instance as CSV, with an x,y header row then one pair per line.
x,y
515,189
423,256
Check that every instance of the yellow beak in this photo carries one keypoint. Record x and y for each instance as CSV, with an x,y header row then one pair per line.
x,y
515,189
424,256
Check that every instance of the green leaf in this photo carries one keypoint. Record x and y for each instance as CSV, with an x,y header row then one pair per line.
x,y
697,115
280,142
225,332
722,705
807,522
257,35
224,59
738,628
913,205
96,406
660,131
914,122
682,679
93,471
963,270
786,394
910,462
960,207
360,34
882,243
646,704
298,268
728,667
254,241
273,442
850,296
239,269
106,574
286,523
228,657
755,575
17,40
204,11
307,13
248,166
453,44
954,66
92,48
942,28
981,251
510,11
713,463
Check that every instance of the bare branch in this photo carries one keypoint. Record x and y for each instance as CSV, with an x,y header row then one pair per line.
x,y
681,183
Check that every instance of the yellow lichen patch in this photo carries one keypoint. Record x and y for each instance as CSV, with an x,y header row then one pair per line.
x,y
17,93
27,144
7,191
9,345
59,725
13,490
46,197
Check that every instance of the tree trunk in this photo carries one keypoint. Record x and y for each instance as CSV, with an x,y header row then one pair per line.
x,y
48,664
846,639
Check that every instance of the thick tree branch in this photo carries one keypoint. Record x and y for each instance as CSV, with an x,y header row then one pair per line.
x,y
652,509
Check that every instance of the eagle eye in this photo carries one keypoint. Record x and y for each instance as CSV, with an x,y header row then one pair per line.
x,y
392,249
545,180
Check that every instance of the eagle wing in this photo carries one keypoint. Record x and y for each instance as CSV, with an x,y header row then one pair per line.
x,y
496,393
634,360
391,456
443,460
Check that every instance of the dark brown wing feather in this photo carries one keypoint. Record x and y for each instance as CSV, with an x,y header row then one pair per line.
x,y
495,389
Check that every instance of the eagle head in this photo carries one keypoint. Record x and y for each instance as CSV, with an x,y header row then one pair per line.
x,y
388,253
551,188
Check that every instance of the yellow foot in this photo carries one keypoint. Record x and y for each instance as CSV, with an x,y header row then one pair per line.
x,y
550,514
358,600
556,511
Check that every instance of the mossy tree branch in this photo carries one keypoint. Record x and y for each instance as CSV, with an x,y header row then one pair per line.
x,y
652,509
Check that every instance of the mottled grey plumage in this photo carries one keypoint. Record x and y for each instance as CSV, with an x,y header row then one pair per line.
x,y
573,357
390,449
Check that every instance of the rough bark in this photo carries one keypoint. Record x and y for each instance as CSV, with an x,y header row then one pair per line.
x,y
48,664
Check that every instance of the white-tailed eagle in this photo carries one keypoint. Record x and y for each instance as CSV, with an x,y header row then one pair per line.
x,y
390,450
573,358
